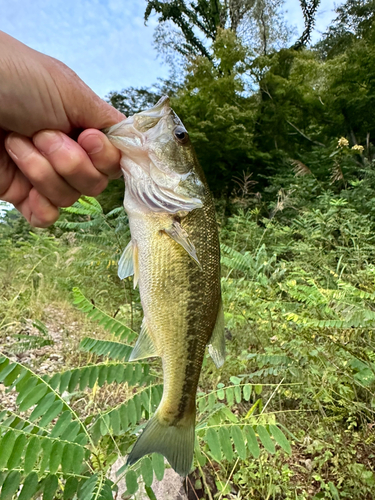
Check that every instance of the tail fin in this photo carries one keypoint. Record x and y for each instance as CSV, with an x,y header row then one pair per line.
x,y
175,442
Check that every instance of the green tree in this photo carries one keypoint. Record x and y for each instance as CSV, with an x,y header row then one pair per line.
x,y
219,115
309,8
354,21
204,16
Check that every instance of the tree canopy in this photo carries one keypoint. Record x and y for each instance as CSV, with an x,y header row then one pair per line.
x,y
256,111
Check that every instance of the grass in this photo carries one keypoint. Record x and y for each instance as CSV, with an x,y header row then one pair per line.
x,y
299,295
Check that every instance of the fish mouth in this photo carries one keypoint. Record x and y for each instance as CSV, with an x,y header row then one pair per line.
x,y
140,122
134,135
150,176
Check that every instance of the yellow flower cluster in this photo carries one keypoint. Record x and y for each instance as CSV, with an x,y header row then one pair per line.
x,y
342,142
358,148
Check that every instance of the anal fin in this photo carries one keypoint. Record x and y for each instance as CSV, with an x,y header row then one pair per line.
x,y
144,347
216,347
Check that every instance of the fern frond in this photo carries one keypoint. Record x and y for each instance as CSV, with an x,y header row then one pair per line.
x,y
247,263
116,211
225,439
113,350
27,342
33,442
79,225
101,373
237,261
111,324
124,417
86,205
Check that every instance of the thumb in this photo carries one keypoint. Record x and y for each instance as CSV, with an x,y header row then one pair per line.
x,y
83,107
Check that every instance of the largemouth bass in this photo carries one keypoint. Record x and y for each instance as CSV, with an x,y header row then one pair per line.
x,y
175,258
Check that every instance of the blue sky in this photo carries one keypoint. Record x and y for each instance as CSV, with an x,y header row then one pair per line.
x,y
105,41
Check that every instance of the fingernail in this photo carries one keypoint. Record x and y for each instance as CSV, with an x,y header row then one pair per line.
x,y
18,147
48,142
92,144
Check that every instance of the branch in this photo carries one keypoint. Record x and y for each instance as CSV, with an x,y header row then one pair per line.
x,y
309,8
305,136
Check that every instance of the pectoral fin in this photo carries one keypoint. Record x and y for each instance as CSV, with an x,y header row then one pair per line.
x,y
125,264
128,263
135,265
145,347
216,347
180,236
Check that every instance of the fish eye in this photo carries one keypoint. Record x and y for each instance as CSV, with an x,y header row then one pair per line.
x,y
181,135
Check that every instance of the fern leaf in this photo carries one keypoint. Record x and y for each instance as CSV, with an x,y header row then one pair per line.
x,y
225,442
158,465
265,439
117,420
238,441
116,211
87,376
252,442
131,480
113,350
280,438
85,206
10,485
41,445
147,471
30,486
109,323
236,260
213,441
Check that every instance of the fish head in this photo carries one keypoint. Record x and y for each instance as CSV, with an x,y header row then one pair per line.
x,y
158,160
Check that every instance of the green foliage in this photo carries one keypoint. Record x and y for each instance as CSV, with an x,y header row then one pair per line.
x,y
45,444
35,441
291,413
111,324
299,295
196,20
213,108
49,446
354,20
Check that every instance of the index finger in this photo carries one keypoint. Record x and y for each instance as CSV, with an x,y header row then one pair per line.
x,y
103,154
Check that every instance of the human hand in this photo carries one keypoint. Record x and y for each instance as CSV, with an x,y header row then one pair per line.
x,y
42,102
